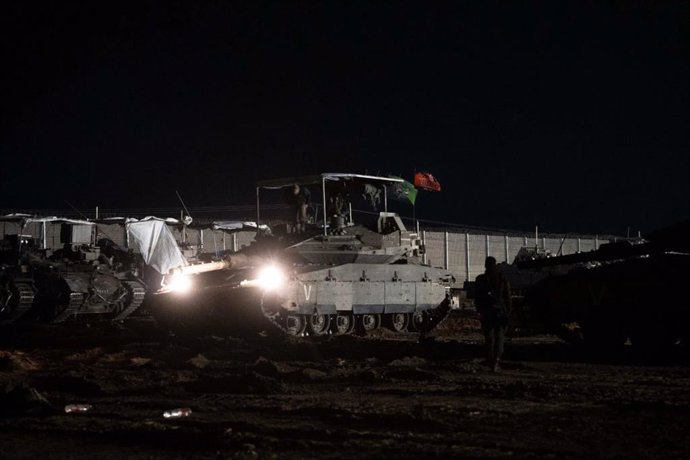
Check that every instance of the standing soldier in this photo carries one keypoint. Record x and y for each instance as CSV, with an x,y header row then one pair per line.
x,y
300,199
493,303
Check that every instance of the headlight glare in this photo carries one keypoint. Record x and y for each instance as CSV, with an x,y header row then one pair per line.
x,y
179,283
270,278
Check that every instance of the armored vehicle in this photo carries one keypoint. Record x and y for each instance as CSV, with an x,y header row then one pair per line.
x,y
622,291
330,275
17,285
53,269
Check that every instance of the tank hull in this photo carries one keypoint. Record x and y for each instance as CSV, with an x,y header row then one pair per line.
x,y
637,299
314,301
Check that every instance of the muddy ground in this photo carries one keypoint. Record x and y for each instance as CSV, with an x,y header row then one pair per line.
x,y
335,397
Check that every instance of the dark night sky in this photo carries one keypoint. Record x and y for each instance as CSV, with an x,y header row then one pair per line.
x,y
574,116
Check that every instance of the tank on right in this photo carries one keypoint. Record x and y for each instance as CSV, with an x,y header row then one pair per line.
x,y
631,292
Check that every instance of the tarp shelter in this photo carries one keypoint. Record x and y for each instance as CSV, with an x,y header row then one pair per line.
x,y
156,244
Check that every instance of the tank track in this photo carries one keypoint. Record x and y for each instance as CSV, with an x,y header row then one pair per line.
x,y
297,325
435,316
25,294
76,300
136,294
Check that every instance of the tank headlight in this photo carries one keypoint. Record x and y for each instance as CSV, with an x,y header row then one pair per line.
x,y
179,283
270,278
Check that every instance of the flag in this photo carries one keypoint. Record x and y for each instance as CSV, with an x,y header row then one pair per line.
x,y
425,181
404,191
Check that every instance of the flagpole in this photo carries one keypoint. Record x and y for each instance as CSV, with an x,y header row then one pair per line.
x,y
414,205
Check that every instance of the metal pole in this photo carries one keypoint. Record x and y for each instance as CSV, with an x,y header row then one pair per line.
x,y
446,254
323,194
505,243
596,242
96,212
234,242
579,249
258,217
488,251
424,260
467,256
44,244
385,199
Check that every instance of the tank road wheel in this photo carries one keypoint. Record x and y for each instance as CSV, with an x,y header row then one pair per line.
x,y
397,322
344,323
368,323
319,323
416,321
295,324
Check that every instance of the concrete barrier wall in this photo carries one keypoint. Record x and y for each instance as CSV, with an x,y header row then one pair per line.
x,y
463,253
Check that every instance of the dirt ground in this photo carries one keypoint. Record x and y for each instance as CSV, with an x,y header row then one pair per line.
x,y
333,397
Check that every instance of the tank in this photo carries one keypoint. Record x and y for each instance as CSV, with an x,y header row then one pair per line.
x,y
331,275
624,291
53,270
17,285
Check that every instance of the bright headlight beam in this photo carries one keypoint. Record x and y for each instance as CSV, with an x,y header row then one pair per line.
x,y
270,278
179,283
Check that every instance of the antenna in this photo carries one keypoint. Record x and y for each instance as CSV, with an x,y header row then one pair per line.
x,y
78,211
182,202
560,248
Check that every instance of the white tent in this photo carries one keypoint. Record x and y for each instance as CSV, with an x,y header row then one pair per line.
x,y
156,244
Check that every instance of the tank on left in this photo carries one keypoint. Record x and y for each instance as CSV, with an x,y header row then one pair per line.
x,y
54,269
